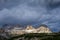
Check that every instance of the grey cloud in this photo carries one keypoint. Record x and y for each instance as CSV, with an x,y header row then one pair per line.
x,y
34,12
32,3
9,3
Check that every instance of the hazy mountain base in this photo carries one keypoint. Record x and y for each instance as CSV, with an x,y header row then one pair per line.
x,y
37,36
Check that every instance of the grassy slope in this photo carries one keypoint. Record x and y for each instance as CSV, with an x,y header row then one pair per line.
x,y
43,36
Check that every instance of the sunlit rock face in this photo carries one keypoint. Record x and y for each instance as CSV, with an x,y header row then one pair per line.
x,y
30,29
44,29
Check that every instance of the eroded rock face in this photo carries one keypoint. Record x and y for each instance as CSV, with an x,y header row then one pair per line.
x,y
43,29
30,29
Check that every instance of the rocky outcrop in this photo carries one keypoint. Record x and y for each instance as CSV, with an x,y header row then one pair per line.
x,y
30,29
43,29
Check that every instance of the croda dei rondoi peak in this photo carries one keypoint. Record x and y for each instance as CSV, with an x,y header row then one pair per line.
x,y
30,29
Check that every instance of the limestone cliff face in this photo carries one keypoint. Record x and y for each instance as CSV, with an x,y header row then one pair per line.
x,y
30,29
44,29
41,29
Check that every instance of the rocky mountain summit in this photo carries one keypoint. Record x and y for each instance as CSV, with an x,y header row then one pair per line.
x,y
30,29
43,29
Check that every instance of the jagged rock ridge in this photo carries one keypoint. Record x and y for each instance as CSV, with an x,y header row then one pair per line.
x,y
30,29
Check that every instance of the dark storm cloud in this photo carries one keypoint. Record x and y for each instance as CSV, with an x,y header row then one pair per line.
x,y
34,12
53,4
9,3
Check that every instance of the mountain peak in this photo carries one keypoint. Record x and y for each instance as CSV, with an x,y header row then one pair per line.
x,y
29,27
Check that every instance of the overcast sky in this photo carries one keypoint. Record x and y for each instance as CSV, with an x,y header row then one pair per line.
x,y
32,12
